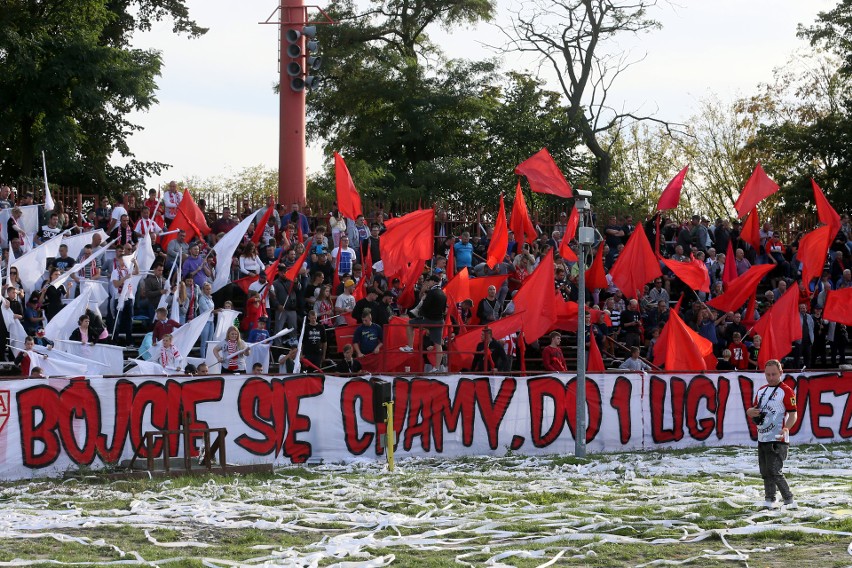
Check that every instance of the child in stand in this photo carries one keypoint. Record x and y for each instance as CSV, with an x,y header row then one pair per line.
x,y
259,333
170,357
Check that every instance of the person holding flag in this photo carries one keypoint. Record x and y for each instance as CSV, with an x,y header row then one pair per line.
x,y
123,299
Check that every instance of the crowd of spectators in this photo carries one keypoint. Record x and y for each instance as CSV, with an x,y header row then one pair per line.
x,y
323,293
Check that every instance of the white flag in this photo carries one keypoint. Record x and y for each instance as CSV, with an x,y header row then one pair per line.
x,y
75,243
28,222
48,199
225,249
80,265
66,320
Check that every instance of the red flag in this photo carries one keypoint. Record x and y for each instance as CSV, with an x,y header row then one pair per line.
x,y
300,235
458,287
596,275
636,265
407,238
189,218
464,345
520,222
544,175
813,251
694,273
595,363
409,280
293,272
838,306
258,230
367,267
825,211
566,315
348,200
570,230
679,348
751,308
671,194
271,273
360,291
499,238
536,298
451,259
741,288
730,272
779,327
751,230
758,187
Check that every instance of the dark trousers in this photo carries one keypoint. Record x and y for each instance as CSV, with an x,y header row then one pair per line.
x,y
771,456
125,322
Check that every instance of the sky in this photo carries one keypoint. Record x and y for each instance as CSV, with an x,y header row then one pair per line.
x,y
217,113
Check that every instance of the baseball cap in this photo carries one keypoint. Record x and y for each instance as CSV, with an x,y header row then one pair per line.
x,y
349,283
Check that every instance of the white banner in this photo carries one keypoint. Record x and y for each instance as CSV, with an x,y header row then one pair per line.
x,y
48,427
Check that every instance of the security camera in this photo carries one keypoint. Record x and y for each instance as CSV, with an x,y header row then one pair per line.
x,y
582,193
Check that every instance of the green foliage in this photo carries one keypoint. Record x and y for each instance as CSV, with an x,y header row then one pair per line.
x,y
833,31
68,80
804,131
413,125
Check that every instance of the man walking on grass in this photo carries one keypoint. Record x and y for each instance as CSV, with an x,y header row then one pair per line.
x,y
774,413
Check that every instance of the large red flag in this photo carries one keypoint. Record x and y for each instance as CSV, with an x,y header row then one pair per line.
x,y
825,211
458,287
813,251
636,265
679,348
570,230
409,280
758,187
730,272
189,218
407,238
566,314
741,288
520,223
671,194
779,327
596,275
536,298
499,238
544,175
751,230
261,225
694,273
293,272
348,200
595,363
838,306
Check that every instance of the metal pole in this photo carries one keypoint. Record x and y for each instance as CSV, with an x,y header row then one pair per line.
x,y
291,142
580,433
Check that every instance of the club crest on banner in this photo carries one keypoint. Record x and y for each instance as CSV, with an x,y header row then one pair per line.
x,y
4,408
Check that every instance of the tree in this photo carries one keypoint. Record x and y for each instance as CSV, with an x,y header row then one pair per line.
x,y
391,102
833,31
569,37
805,131
68,80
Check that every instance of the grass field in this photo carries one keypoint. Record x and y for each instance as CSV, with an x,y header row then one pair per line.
x,y
640,509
